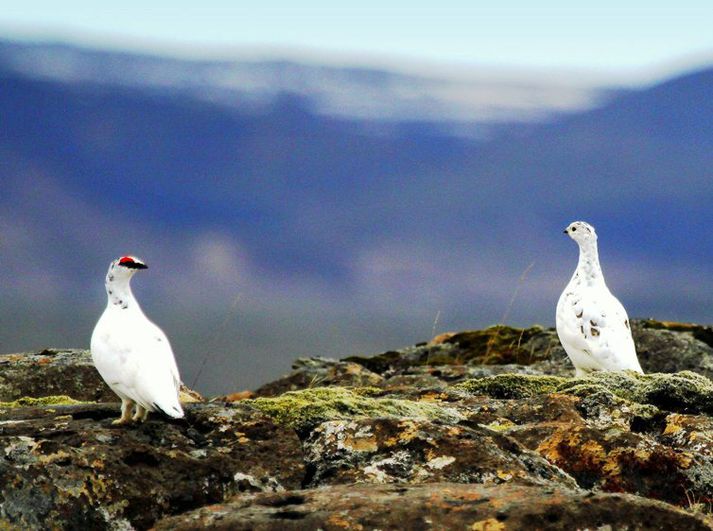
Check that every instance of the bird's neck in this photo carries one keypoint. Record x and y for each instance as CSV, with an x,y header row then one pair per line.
x,y
118,291
588,271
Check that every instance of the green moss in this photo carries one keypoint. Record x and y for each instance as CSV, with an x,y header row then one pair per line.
x,y
620,384
683,391
29,401
9,526
305,408
512,385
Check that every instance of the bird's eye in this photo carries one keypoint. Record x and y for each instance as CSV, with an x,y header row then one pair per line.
x,y
574,229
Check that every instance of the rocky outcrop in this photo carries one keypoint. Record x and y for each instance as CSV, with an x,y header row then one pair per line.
x,y
52,372
66,466
661,346
436,506
480,430
321,372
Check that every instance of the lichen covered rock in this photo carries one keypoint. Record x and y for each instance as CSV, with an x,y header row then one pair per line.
x,y
497,345
305,409
512,385
321,372
682,392
436,506
67,467
389,450
68,372
664,346
661,346
475,430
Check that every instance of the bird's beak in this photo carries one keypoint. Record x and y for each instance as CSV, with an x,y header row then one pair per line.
x,y
565,231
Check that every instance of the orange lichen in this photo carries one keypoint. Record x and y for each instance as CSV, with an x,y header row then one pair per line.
x,y
491,524
361,444
672,424
338,520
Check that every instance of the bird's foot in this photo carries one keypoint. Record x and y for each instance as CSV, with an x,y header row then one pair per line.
x,y
140,414
121,421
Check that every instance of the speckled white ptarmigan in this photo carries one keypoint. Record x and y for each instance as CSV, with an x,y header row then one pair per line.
x,y
131,353
591,323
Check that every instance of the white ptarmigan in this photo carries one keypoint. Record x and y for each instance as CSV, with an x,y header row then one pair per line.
x,y
591,323
131,353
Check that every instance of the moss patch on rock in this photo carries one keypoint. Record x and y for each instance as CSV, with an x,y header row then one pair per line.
x,y
306,408
30,401
681,392
512,385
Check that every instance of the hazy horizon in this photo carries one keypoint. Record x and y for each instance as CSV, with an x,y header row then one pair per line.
x,y
305,208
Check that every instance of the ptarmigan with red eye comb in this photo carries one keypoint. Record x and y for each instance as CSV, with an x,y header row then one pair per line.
x,y
131,353
591,322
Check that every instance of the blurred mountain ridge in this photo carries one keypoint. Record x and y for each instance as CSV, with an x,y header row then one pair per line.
x,y
336,233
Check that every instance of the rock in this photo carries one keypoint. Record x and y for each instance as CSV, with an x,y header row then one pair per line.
x,y
670,347
321,372
608,434
303,410
512,385
475,430
661,346
436,506
52,372
617,460
497,345
60,372
387,450
683,392
688,432
67,467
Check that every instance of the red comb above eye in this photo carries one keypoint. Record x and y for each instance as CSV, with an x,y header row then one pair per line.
x,y
125,260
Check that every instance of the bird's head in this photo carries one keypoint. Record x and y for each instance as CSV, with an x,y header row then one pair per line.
x,y
126,266
581,232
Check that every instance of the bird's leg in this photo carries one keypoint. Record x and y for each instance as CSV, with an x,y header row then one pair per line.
x,y
141,414
126,407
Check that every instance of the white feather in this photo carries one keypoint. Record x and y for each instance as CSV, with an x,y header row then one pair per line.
x,y
592,324
131,353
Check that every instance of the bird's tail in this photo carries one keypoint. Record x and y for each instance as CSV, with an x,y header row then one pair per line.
x,y
170,410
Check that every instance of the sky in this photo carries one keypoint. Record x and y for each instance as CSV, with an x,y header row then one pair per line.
x,y
606,36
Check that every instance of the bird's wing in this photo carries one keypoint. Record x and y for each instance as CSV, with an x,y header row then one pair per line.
x,y
164,352
138,365
603,330
157,381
